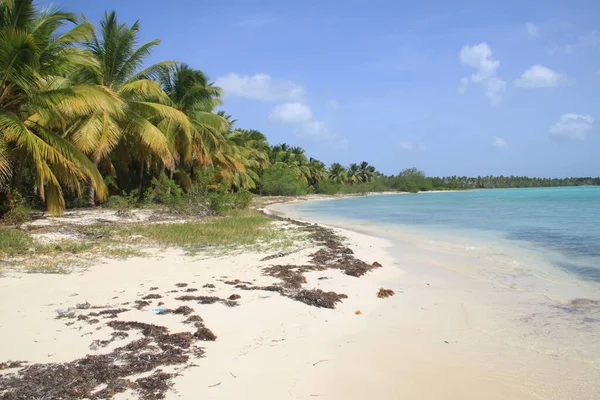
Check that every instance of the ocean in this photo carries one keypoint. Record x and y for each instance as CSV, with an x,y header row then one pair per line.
x,y
525,262
549,230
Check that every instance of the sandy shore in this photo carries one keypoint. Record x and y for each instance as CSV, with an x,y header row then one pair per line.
x,y
426,342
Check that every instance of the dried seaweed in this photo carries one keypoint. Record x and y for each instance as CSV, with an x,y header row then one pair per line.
x,y
385,293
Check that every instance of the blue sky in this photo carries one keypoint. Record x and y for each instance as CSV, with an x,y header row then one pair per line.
x,y
453,88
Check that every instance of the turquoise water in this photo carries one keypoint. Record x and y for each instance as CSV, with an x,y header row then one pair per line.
x,y
562,225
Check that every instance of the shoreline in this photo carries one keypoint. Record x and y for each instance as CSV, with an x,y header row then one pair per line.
x,y
488,314
425,342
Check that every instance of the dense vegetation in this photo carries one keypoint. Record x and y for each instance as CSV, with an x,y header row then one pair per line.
x,y
83,120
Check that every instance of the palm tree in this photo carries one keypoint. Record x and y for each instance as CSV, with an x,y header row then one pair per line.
x,y
337,173
145,106
367,172
37,101
191,93
353,173
317,171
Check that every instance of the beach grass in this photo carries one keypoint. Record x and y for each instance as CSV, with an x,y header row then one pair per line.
x,y
14,242
237,228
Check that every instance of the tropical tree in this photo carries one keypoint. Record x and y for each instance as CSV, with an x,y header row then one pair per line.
x,y
353,173
37,101
191,92
145,108
366,172
317,171
337,173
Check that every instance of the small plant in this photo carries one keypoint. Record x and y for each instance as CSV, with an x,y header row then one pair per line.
x,y
19,213
117,202
165,191
242,199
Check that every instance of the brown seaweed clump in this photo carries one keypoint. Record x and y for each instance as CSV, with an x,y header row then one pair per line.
x,y
319,298
385,293
114,372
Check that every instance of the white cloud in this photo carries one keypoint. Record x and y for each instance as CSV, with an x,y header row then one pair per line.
x,y
539,76
480,58
318,132
571,127
256,21
409,146
260,87
333,104
314,131
291,113
405,146
500,143
532,29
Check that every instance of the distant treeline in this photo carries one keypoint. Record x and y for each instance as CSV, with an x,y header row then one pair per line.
x,y
414,180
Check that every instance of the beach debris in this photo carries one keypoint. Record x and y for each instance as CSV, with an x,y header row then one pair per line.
x,y
193,319
139,304
318,298
181,284
114,372
153,288
385,293
83,306
11,364
216,384
277,255
209,286
234,297
68,313
158,310
152,296
203,333
155,385
320,361
233,375
182,310
358,312
321,278
207,300
191,290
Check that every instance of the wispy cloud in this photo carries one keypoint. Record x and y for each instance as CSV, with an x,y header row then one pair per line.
x,y
260,87
499,143
256,21
583,42
532,29
410,146
333,104
572,127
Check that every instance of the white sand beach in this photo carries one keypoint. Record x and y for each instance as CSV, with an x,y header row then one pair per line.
x,y
429,341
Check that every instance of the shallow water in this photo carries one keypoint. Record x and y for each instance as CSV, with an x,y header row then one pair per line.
x,y
532,257
561,225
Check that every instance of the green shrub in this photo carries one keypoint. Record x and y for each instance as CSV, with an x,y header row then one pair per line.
x,y
117,202
20,214
164,191
329,187
220,201
282,182
242,199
